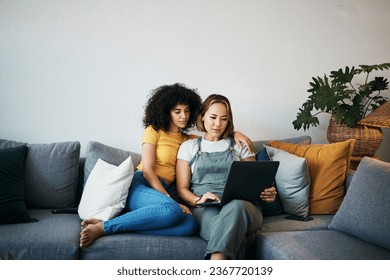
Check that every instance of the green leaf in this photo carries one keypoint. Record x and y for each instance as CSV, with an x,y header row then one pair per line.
x,y
305,119
340,77
378,84
337,95
377,67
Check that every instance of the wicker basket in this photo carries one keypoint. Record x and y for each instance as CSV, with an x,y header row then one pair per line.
x,y
368,139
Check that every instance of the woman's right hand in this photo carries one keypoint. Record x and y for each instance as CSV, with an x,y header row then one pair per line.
x,y
207,197
269,194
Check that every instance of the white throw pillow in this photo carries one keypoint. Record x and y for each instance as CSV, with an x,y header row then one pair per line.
x,y
106,190
292,181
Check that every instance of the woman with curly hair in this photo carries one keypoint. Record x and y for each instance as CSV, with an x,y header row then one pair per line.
x,y
170,112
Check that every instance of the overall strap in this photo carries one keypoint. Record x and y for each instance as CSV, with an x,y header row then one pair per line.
x,y
231,148
198,153
232,142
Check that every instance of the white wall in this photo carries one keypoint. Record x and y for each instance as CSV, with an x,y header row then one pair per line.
x,y
81,70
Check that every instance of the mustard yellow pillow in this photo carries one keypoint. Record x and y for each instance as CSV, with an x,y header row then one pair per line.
x,y
328,167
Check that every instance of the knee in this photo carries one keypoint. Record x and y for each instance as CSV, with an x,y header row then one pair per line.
x,y
191,225
173,208
236,209
236,206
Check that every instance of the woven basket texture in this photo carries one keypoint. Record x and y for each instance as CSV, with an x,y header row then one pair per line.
x,y
379,117
368,139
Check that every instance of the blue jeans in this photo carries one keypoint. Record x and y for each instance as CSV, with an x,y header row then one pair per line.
x,y
149,211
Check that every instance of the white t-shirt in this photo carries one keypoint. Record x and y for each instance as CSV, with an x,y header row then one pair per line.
x,y
190,147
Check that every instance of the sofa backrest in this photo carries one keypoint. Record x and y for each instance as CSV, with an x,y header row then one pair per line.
x,y
55,173
112,155
304,140
51,173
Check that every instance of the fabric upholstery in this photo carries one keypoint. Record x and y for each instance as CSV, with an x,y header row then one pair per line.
x,y
52,174
365,211
133,246
258,145
328,167
112,155
54,237
12,186
9,143
106,190
280,223
269,209
316,245
292,181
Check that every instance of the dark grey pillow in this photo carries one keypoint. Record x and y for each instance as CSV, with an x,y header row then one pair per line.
x,y
52,174
364,212
12,205
8,144
115,156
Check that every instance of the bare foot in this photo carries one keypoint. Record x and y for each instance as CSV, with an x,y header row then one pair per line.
x,y
90,233
86,222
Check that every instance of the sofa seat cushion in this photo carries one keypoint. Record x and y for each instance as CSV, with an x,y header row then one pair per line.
x,y
279,223
316,245
133,246
53,237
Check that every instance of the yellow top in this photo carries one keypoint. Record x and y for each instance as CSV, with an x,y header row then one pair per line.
x,y
167,145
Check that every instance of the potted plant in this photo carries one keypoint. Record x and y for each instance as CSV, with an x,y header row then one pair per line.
x,y
344,98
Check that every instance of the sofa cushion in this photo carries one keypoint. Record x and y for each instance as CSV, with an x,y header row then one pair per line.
x,y
112,155
262,155
53,237
134,246
269,209
52,174
292,181
106,190
8,143
365,210
328,167
280,223
12,204
258,145
316,245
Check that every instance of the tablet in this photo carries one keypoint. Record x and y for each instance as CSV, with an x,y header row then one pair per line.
x,y
246,180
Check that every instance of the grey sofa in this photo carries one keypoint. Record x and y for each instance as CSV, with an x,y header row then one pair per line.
x,y
54,179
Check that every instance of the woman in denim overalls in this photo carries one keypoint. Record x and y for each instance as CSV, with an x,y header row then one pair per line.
x,y
202,168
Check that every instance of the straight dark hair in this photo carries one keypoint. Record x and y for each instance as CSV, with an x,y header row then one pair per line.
x,y
213,99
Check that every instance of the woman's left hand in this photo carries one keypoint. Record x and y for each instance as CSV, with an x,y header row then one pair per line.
x,y
269,194
185,209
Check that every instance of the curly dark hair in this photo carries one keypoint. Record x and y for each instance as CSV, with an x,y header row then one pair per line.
x,y
163,99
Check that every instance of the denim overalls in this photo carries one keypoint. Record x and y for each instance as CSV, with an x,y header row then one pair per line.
x,y
211,170
225,228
